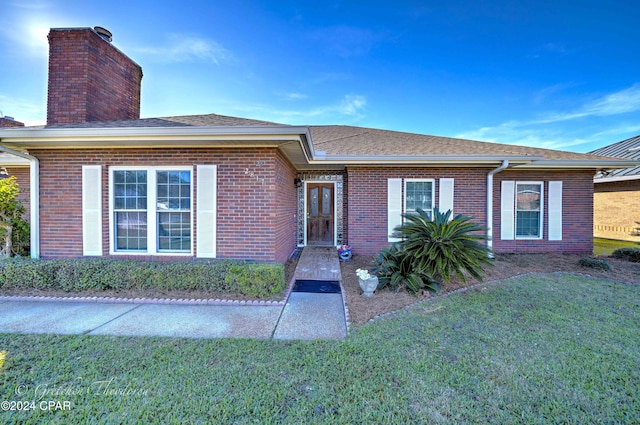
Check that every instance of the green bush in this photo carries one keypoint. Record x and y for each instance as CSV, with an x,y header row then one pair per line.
x,y
395,269
627,254
432,250
254,280
594,263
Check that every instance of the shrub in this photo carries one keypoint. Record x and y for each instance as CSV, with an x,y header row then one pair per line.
x,y
442,246
431,250
255,280
627,254
395,269
594,263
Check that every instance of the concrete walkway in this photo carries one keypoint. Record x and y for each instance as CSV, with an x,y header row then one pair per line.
x,y
304,316
172,320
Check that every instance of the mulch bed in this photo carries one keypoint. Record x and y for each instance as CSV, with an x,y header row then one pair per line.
x,y
362,309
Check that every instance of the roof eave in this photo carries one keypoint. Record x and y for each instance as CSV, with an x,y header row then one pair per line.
x,y
55,138
30,135
616,179
418,160
595,164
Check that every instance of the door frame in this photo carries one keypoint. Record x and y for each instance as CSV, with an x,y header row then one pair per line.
x,y
335,209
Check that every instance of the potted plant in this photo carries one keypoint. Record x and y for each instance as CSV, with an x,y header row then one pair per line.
x,y
344,251
368,283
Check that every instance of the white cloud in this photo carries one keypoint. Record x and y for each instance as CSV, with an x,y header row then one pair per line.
x,y
188,48
623,101
352,104
554,130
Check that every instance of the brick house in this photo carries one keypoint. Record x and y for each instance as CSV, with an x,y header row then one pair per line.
x,y
616,198
105,182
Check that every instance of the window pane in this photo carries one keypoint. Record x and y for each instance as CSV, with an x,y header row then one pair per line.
x,y
131,231
528,198
326,201
174,231
173,193
528,223
313,193
419,195
130,190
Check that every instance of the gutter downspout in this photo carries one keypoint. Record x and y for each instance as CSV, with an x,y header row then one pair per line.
x,y
505,164
34,198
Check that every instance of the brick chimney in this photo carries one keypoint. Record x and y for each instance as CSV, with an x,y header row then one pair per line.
x,y
6,122
90,79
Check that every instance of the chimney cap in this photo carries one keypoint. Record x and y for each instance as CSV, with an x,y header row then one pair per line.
x,y
104,33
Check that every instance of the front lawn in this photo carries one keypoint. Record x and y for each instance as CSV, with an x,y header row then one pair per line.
x,y
543,348
607,246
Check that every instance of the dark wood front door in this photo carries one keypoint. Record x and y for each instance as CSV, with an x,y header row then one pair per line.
x,y
320,214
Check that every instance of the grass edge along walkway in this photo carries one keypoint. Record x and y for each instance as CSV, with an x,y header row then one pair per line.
x,y
547,348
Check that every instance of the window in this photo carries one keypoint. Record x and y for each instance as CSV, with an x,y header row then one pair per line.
x,y
174,210
130,208
418,193
151,209
529,210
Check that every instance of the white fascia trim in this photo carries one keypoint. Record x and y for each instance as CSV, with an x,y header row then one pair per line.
x,y
411,160
585,164
158,136
616,179
92,132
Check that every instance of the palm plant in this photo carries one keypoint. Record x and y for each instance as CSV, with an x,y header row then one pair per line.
x,y
443,246
396,269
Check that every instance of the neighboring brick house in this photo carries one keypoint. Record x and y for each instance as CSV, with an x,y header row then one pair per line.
x,y
616,198
212,186
15,166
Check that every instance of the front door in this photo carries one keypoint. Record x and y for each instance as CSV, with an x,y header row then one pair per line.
x,y
320,214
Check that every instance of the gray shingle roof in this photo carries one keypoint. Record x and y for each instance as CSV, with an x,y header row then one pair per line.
x,y
177,121
360,141
350,141
628,149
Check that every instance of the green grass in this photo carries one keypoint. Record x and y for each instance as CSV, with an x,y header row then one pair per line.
x,y
607,246
538,349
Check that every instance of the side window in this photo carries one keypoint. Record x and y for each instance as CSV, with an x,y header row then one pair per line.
x,y
529,210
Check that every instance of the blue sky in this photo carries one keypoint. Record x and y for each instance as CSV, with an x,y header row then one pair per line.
x,y
557,74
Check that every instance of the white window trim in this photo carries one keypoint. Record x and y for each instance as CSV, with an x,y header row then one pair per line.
x,y
515,211
152,187
412,180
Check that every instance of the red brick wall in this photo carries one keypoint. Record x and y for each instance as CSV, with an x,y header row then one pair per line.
x,y
577,212
250,182
367,205
616,210
286,200
90,79
367,200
